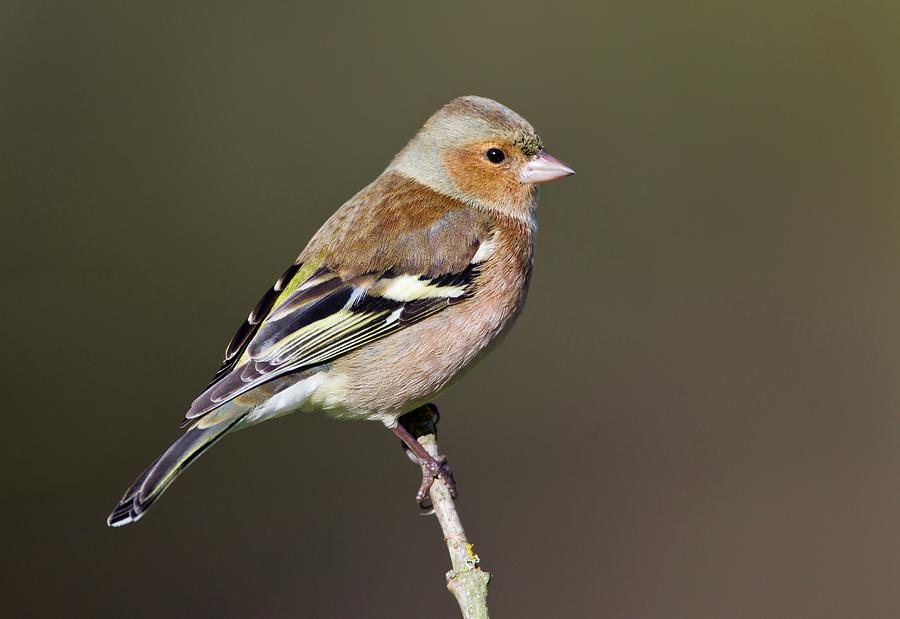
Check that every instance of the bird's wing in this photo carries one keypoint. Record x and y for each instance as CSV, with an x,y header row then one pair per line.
x,y
307,319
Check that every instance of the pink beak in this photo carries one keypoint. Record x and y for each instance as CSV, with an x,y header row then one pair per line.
x,y
542,168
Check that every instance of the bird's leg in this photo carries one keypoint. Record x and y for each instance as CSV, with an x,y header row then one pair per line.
x,y
418,423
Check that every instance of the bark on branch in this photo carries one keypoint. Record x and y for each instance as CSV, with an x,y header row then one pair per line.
x,y
466,580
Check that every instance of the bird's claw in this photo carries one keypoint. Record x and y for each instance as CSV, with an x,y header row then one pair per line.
x,y
437,468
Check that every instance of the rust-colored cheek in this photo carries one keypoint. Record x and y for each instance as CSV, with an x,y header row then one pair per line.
x,y
485,182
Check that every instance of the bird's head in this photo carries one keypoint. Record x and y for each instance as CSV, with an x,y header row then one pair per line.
x,y
481,152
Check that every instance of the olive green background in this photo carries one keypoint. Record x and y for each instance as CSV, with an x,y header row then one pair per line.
x,y
696,416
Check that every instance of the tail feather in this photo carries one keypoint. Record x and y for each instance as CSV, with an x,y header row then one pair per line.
x,y
159,475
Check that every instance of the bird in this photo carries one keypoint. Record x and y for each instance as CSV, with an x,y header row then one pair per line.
x,y
404,288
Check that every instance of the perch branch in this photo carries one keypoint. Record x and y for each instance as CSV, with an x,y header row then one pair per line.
x,y
466,580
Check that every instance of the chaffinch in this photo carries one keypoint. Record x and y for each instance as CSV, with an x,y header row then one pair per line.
x,y
408,284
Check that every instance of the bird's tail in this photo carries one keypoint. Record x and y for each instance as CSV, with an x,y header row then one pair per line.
x,y
154,481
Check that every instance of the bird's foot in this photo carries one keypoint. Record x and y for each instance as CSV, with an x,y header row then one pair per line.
x,y
435,468
411,426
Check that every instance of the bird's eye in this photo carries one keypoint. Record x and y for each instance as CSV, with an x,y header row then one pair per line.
x,y
495,155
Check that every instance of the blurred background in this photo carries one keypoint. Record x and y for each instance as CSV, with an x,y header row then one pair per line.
x,y
698,414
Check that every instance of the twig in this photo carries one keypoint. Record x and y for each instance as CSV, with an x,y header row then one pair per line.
x,y
466,581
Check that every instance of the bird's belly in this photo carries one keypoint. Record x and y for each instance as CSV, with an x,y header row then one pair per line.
x,y
404,370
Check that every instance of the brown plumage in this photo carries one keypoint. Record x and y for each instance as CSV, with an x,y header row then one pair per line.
x,y
398,223
400,291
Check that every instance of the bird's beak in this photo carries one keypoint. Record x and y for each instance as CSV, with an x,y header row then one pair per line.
x,y
542,168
